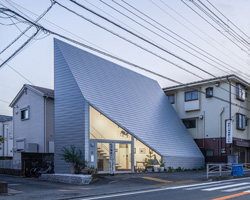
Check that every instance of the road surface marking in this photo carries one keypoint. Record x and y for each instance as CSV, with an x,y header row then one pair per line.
x,y
123,194
157,180
227,186
198,184
204,186
232,196
235,189
73,189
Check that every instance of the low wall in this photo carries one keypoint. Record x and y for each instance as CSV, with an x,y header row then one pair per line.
x,y
78,179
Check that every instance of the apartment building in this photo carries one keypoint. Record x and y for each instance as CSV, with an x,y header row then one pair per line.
x,y
216,113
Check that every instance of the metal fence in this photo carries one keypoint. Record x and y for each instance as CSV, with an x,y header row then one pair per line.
x,y
225,169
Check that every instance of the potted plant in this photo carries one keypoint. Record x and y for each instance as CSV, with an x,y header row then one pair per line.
x,y
84,167
150,161
162,165
92,170
72,156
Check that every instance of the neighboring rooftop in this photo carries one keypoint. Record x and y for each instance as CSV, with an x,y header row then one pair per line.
x,y
217,79
4,118
45,92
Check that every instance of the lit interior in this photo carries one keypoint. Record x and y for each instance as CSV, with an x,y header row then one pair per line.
x,y
102,128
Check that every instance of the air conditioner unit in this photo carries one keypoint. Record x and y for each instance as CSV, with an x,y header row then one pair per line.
x,y
32,147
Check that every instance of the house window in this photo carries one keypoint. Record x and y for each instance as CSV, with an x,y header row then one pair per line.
x,y
191,96
209,152
25,114
240,121
209,92
190,123
240,92
171,98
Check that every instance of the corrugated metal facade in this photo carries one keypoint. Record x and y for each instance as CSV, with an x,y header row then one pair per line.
x,y
135,102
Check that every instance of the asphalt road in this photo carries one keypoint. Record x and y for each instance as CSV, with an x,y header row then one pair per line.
x,y
229,189
182,185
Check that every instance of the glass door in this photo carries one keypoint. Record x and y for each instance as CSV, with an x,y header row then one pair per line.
x,y
103,157
122,157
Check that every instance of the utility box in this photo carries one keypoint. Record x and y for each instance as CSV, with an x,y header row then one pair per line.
x,y
3,187
32,147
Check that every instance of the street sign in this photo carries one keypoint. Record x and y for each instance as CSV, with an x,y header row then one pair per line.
x,y
229,131
111,158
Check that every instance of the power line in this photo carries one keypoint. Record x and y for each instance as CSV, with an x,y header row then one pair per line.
x,y
134,35
20,48
228,19
214,27
171,37
119,26
222,25
23,32
139,46
184,18
225,25
18,73
111,56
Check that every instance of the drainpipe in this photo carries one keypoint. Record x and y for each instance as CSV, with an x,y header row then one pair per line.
x,y
230,112
220,127
45,120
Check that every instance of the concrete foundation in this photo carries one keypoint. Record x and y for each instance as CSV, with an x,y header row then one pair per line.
x,y
77,179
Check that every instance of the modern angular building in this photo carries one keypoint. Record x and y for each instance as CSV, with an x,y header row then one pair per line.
x,y
115,116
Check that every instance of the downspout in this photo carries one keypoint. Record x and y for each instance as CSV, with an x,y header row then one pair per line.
x,y
45,124
230,112
220,128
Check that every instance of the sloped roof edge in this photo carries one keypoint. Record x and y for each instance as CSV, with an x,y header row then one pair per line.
x,y
37,90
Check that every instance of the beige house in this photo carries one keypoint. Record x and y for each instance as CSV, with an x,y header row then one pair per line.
x,y
206,108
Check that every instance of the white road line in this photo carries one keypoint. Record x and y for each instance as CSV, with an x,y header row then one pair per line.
x,y
215,184
227,186
123,194
236,189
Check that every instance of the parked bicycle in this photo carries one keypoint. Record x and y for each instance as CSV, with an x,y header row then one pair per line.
x,y
38,171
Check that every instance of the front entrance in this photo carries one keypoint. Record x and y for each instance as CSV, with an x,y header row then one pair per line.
x,y
113,157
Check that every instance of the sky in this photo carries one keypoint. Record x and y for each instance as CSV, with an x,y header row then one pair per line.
x,y
177,40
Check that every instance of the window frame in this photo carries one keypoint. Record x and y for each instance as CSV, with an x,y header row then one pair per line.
x,y
172,95
189,120
241,122
208,92
240,92
192,94
25,110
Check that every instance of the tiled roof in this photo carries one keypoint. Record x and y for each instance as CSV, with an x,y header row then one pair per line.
x,y
45,91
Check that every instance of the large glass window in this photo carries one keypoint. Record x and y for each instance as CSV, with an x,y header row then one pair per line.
x,y
122,157
103,157
142,154
103,128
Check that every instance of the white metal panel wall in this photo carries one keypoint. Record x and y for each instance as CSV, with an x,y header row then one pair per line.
x,y
133,101
69,113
